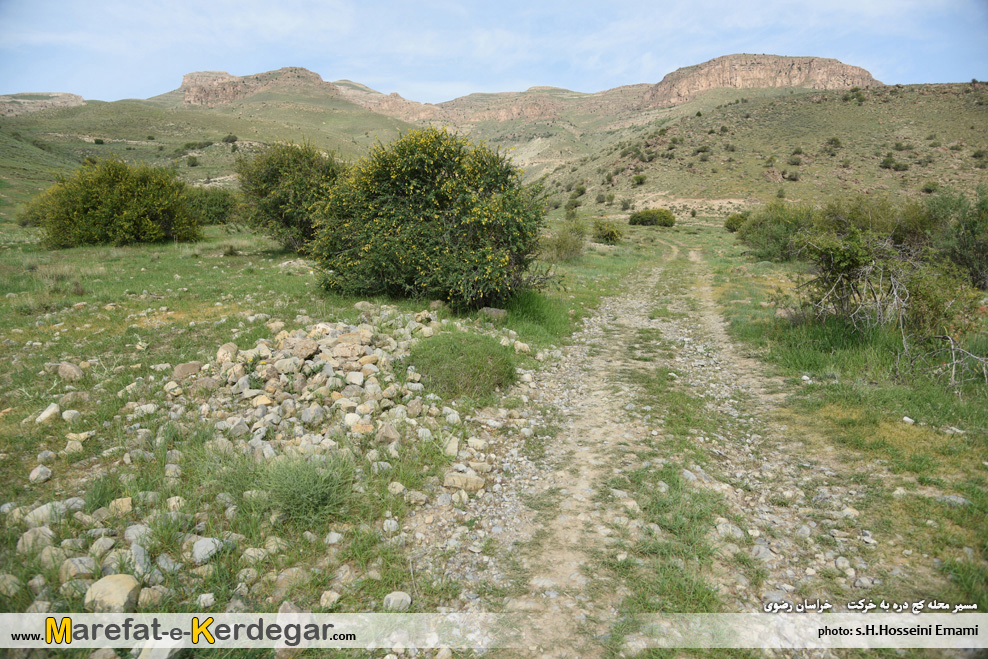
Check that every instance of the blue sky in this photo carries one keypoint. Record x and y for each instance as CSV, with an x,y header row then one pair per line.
x,y
437,50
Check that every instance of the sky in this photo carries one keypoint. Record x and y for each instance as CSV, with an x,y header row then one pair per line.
x,y
436,50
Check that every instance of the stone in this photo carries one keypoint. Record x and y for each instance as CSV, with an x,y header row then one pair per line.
x,y
116,593
495,313
227,353
71,416
463,482
34,540
39,474
80,567
387,434
121,506
70,372
51,557
452,447
204,549
11,585
205,600
50,413
186,370
328,599
397,601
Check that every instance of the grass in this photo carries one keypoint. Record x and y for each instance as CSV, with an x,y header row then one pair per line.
x,y
308,492
464,365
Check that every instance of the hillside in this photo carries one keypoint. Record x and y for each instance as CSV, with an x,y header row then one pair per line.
x,y
754,112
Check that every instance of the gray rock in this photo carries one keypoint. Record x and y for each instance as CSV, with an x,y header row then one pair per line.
x,y
49,414
70,372
204,549
34,540
39,474
10,585
397,601
186,370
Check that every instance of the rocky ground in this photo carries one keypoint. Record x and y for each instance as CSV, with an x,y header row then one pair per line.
x,y
522,506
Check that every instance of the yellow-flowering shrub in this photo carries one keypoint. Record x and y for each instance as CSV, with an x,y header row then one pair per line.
x,y
429,215
111,202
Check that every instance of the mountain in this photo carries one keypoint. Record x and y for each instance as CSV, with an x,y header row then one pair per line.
x,y
756,72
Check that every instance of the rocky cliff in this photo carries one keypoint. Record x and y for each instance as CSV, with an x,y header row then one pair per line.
x,y
212,88
755,71
23,103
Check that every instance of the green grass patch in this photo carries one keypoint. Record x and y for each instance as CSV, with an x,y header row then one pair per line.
x,y
464,365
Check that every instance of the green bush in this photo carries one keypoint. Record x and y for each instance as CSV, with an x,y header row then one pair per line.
x,y
192,161
565,243
309,493
98,141
460,364
430,215
230,139
607,232
212,205
735,220
770,232
638,179
651,217
625,204
110,202
281,185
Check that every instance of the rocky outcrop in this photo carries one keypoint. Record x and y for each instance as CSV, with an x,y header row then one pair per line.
x,y
755,71
212,88
13,104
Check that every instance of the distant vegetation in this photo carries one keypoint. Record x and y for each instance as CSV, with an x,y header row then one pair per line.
x,y
662,217
111,202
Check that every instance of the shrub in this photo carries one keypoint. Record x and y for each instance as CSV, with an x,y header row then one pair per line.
x,y
600,198
212,205
734,221
98,141
770,232
230,139
110,202
280,185
461,364
930,187
565,243
662,217
607,232
309,492
430,215
192,161
625,204
638,179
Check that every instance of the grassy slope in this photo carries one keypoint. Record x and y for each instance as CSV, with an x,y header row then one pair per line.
x,y
65,136
927,120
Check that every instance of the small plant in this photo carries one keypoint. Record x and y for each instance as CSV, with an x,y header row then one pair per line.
x,y
930,187
607,232
463,364
600,198
795,161
625,204
638,179
192,161
310,492
565,243
230,139
662,217
734,221
98,140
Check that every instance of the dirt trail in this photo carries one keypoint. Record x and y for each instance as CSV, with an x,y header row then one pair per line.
x,y
790,504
